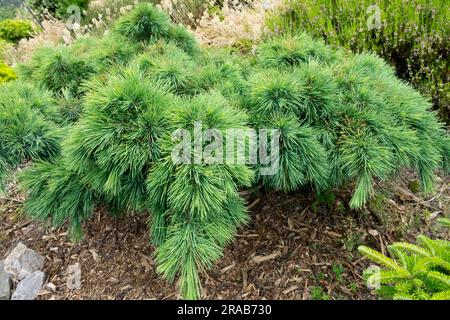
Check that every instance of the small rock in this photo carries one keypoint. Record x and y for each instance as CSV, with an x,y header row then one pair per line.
x,y
51,287
373,232
29,287
5,283
73,281
22,261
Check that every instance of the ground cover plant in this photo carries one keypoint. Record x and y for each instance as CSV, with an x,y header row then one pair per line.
x,y
104,111
416,272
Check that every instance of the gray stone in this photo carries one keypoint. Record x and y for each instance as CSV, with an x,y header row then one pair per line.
x,y
5,283
22,261
29,287
74,277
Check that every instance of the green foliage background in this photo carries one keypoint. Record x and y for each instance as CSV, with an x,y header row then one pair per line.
x,y
14,29
414,36
8,8
56,8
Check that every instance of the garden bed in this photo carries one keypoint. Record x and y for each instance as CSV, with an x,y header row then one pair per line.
x,y
296,247
123,136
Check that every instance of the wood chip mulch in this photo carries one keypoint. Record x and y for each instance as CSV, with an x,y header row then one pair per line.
x,y
296,247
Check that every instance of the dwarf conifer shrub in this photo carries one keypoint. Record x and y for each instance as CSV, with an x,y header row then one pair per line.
x,y
115,143
294,50
57,78
172,68
57,69
58,195
111,50
415,272
107,155
24,135
69,107
145,24
64,69
219,70
26,95
183,38
196,207
28,126
368,122
339,119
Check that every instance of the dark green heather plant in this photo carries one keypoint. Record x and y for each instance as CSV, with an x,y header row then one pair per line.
x,y
342,120
411,35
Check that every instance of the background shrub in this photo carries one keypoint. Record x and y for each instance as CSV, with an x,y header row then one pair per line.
x,y
413,36
56,8
14,30
6,73
8,8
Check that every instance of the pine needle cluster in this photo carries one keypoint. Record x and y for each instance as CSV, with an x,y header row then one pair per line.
x,y
368,123
27,127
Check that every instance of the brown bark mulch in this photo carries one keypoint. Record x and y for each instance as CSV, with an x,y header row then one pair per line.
x,y
297,246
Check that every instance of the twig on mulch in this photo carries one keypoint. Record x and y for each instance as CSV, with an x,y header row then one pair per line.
x,y
259,259
414,198
253,204
443,188
11,200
